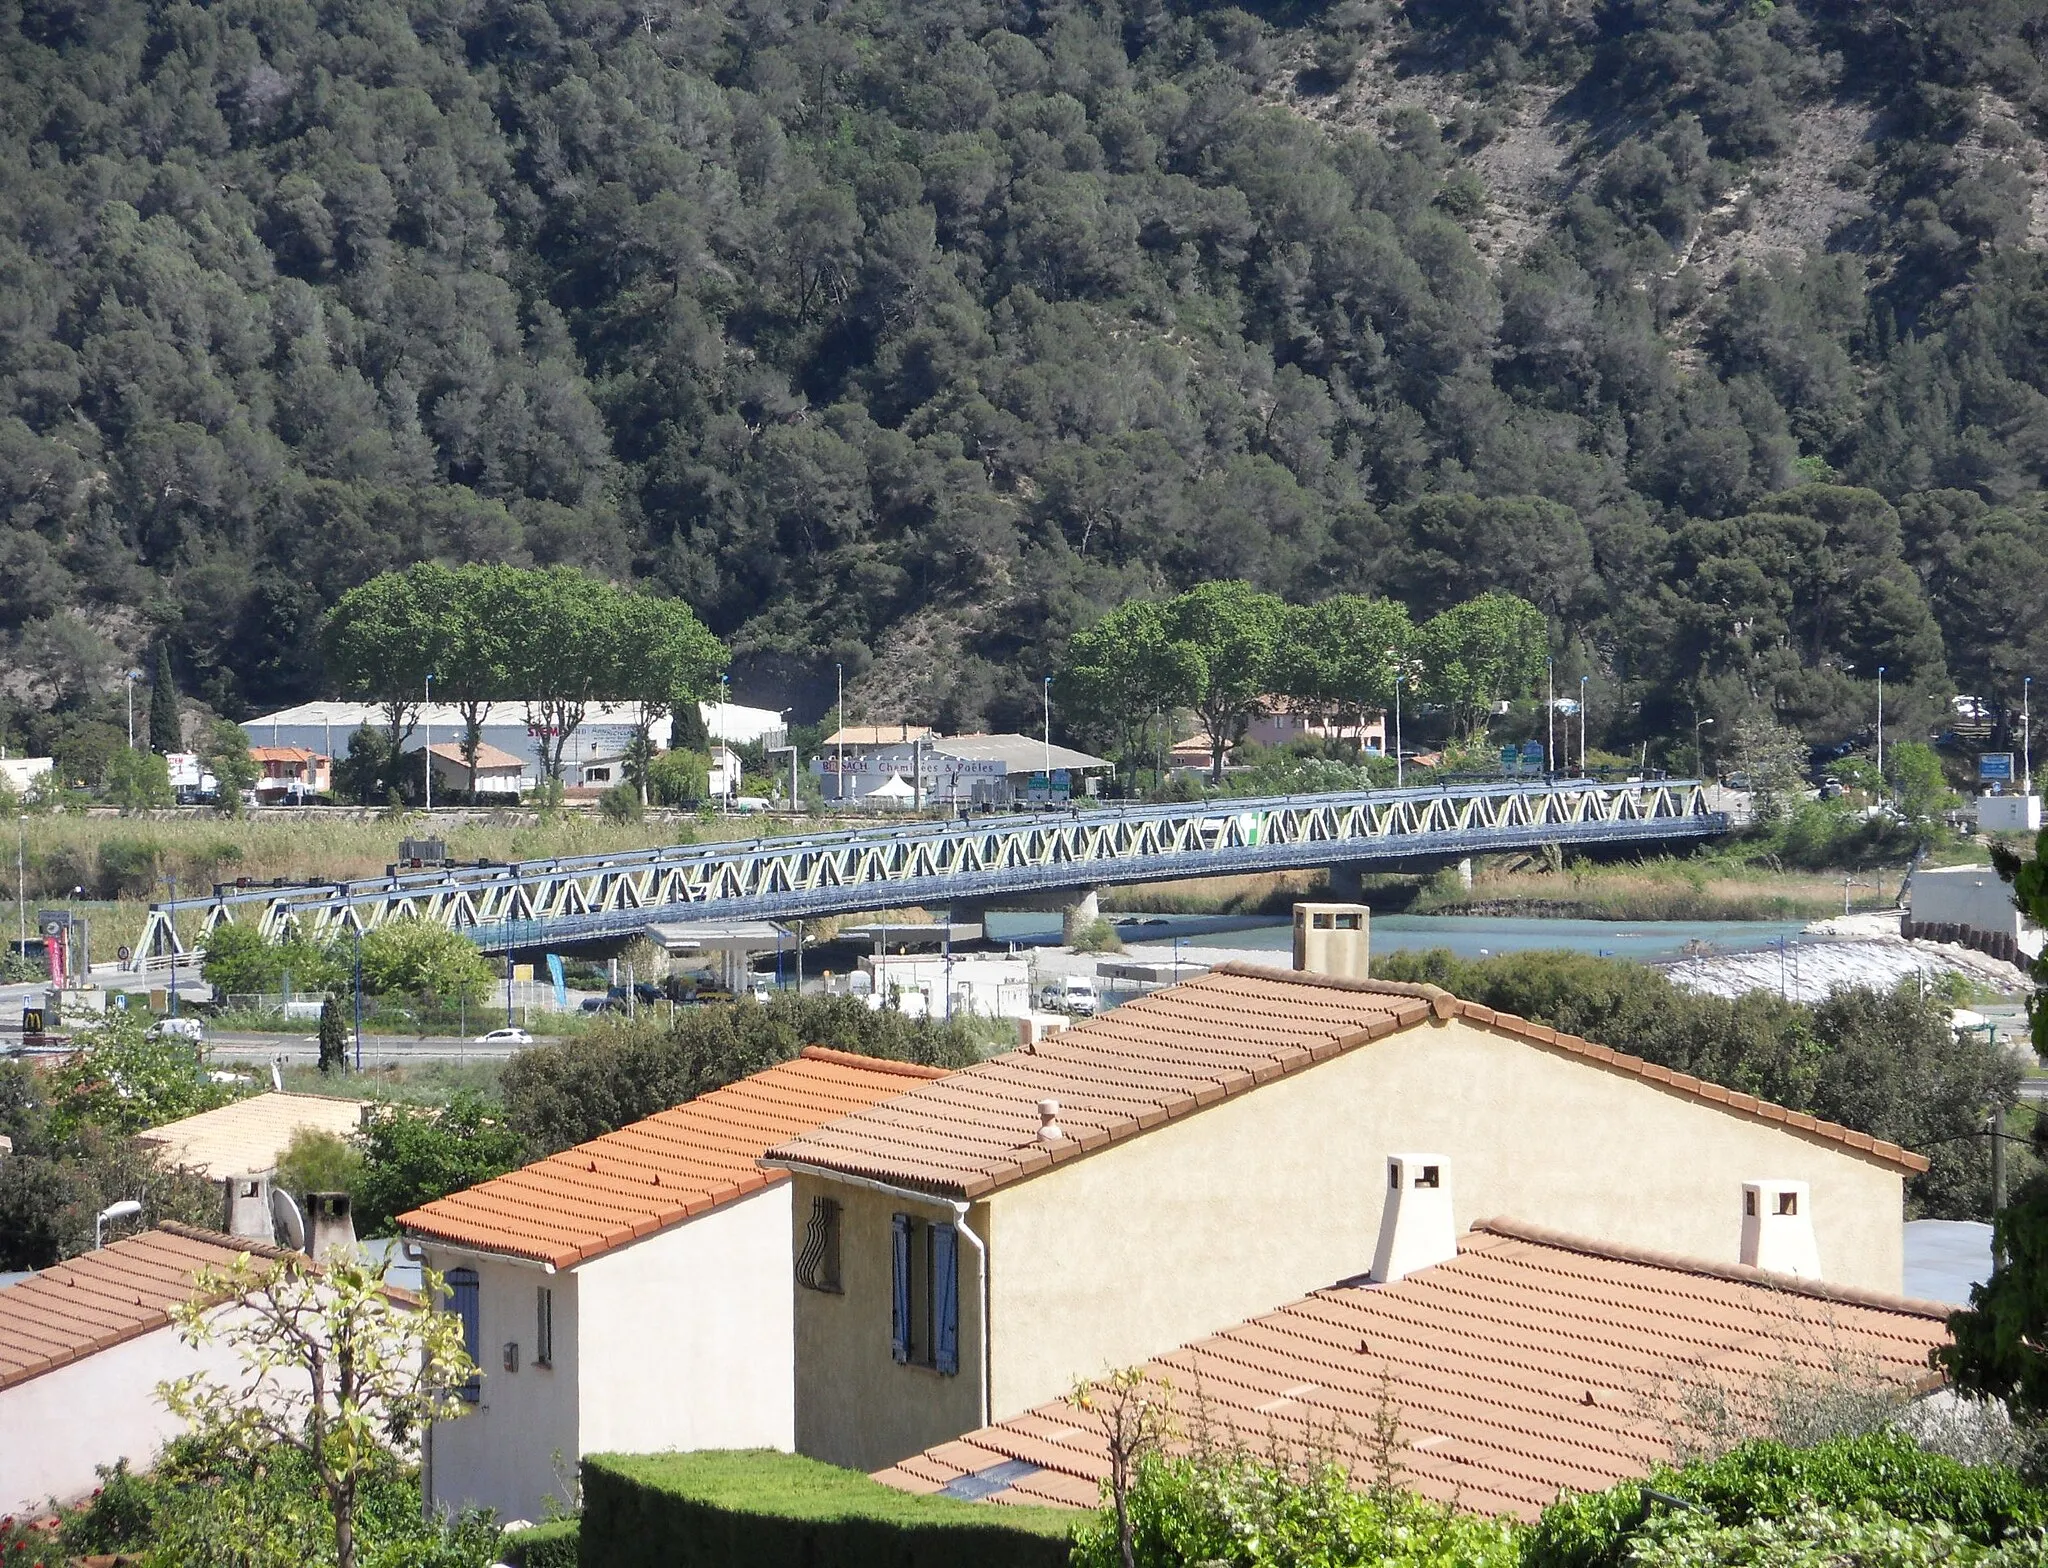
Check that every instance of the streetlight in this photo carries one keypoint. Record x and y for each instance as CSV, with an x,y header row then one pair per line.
x,y
839,778
427,743
2027,734
1550,716
1880,726
1047,689
1400,774
125,1209
129,679
171,914
1699,768
1582,724
21,879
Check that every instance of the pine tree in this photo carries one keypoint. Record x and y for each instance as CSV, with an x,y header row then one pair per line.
x,y
333,1037
165,734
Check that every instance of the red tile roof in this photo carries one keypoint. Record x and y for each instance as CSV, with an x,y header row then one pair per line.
x,y
1175,1052
93,1302
666,1169
1531,1363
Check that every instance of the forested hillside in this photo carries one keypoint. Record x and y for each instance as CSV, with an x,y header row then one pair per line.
x,y
912,336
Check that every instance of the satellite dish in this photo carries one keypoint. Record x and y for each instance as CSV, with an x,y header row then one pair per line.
x,y
290,1221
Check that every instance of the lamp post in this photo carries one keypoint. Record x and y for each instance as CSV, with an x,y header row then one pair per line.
x,y
124,1209
1880,726
1699,768
731,783
129,679
427,744
21,879
839,777
1582,724
2027,735
1047,690
1550,715
1400,772
357,926
172,915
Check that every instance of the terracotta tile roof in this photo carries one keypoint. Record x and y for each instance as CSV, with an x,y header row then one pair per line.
x,y
250,1136
1174,1052
1531,1363
666,1169
487,755
90,1303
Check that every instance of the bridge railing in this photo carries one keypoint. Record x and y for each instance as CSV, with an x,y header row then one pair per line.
x,y
604,895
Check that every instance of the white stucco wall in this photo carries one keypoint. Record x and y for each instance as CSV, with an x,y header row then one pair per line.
x,y
56,1428
687,1339
1974,896
683,1340
502,1454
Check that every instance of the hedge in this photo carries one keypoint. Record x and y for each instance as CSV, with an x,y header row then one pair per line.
x,y
550,1545
1762,1481
756,1508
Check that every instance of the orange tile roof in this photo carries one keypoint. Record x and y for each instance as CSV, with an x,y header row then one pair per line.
x,y
91,1303
1175,1052
665,1169
1532,1362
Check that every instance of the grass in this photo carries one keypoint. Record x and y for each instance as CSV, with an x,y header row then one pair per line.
x,y
408,1083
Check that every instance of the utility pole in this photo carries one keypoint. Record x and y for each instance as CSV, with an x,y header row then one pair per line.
x,y
427,744
128,680
1400,772
21,880
172,912
1550,715
2027,735
839,777
1699,767
1880,726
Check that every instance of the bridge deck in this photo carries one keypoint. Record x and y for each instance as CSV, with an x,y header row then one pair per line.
x,y
596,897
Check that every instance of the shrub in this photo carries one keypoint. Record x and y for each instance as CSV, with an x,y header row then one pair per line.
x,y
550,1545
620,804
761,1509
1768,1481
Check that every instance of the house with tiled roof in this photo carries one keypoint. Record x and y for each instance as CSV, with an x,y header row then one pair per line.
x,y
83,1346
633,1292
1528,1363
1207,1154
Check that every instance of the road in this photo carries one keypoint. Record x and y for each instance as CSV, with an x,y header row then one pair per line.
x,y
379,1050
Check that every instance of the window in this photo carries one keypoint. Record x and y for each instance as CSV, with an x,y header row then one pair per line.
x,y
465,1303
817,1265
1429,1177
543,1326
924,1316
1788,1203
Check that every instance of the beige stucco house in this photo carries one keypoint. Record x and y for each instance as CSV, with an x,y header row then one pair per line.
x,y
632,1293
1221,1148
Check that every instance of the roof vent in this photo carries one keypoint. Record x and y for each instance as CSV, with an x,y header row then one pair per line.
x,y
1777,1228
330,1228
1049,1122
1333,939
1416,1227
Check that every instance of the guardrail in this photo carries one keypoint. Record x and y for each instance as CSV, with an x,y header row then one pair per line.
x,y
596,897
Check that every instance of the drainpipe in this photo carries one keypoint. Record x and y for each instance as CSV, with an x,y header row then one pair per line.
x,y
960,1227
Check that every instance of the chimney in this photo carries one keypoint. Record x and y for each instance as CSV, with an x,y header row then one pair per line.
x,y
1333,939
1416,1227
329,1225
1049,1122
1777,1228
245,1208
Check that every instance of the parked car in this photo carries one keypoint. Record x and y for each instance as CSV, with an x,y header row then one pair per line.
x,y
1070,994
504,1037
181,1028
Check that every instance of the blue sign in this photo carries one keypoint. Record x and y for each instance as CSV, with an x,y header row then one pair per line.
x,y
1995,765
1532,756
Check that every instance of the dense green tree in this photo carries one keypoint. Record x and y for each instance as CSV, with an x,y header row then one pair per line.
x,y
1340,655
1478,653
413,1155
1233,630
166,734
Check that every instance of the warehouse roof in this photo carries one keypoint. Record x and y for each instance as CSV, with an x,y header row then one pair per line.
x,y
1529,1363
1175,1052
665,1169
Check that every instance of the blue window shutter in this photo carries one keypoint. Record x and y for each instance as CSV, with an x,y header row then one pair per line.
x,y
946,1298
464,1301
899,1300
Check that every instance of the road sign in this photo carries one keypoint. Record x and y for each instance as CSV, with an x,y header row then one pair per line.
x,y
1995,766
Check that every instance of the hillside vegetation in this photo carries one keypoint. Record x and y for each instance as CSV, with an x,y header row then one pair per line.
x,y
912,336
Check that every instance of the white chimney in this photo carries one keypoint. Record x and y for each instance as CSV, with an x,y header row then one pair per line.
x,y
1049,1122
1777,1228
329,1225
246,1208
1416,1227
1333,939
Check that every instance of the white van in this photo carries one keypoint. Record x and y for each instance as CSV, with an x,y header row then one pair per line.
x,y
1074,994
178,1029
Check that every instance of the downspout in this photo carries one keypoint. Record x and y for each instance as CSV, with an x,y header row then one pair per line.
x,y
958,1209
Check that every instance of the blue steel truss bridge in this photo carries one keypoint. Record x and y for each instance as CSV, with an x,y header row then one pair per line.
x,y
977,864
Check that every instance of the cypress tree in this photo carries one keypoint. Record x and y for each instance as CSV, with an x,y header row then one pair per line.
x,y
333,1037
164,735
689,732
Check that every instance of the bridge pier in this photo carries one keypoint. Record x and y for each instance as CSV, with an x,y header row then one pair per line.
x,y
1347,883
1079,915
1465,872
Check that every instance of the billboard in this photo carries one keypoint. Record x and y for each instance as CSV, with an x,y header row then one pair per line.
x,y
1995,767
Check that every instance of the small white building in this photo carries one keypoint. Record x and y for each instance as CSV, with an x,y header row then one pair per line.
x,y
633,1293
498,772
19,774
1972,905
83,1347
863,764
743,726
934,986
